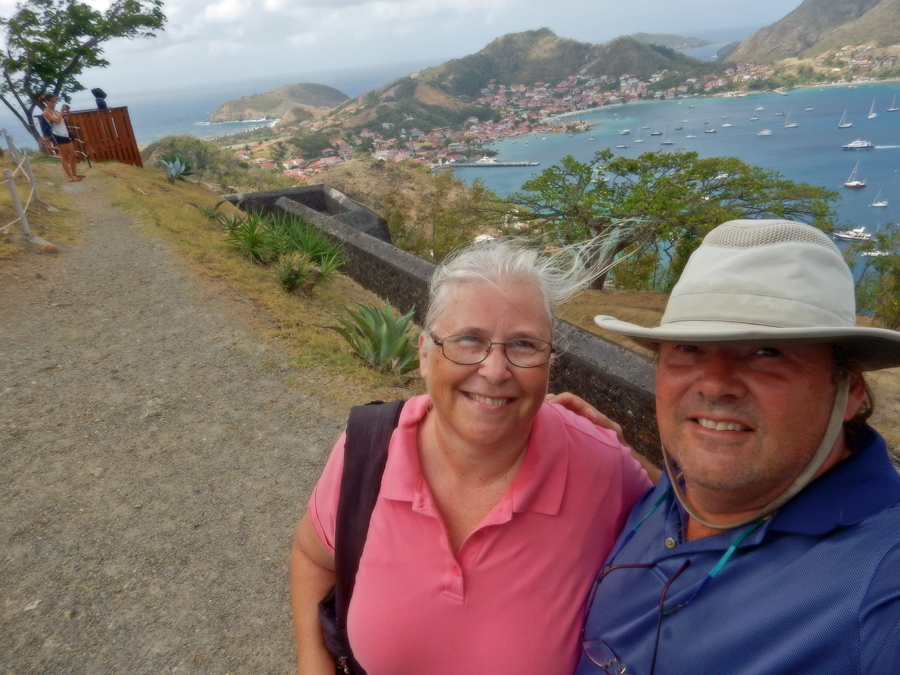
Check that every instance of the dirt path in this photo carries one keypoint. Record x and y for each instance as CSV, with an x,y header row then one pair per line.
x,y
153,464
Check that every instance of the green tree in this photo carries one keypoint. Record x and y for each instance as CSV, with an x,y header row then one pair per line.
x,y
50,42
878,288
661,203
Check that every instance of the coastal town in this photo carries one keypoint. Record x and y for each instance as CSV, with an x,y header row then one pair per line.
x,y
545,107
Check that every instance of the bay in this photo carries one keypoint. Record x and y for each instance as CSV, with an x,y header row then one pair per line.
x,y
809,153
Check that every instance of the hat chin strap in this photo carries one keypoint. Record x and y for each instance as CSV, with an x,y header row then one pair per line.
x,y
835,425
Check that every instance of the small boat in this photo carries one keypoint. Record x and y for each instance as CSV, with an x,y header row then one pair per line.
x,y
666,140
710,131
764,132
624,132
893,107
779,114
787,122
705,121
872,113
592,138
725,117
858,144
758,108
690,106
856,234
809,108
684,121
622,145
637,138
842,124
853,181
878,204
727,124
646,126
874,254
679,128
656,133
753,119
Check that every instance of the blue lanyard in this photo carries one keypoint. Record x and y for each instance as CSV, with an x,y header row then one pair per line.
x,y
716,568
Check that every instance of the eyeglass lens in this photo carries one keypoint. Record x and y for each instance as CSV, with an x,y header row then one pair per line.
x,y
602,656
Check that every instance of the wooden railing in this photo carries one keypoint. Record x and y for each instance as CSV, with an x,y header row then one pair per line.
x,y
105,135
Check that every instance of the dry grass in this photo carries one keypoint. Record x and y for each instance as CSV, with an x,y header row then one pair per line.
x,y
295,321
59,228
646,309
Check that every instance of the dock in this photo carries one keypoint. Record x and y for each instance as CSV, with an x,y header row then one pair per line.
x,y
480,164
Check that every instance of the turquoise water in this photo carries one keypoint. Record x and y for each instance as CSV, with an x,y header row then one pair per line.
x,y
809,153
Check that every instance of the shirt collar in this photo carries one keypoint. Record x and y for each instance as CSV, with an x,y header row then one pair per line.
x,y
539,486
856,488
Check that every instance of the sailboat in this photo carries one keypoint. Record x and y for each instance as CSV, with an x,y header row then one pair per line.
x,y
893,107
842,124
787,121
878,204
638,139
872,113
689,134
666,140
853,181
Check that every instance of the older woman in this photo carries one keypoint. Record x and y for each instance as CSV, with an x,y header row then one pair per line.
x,y
496,509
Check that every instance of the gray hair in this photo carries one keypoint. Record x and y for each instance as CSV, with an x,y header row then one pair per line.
x,y
558,276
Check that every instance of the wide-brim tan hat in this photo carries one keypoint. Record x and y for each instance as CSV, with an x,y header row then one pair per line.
x,y
766,281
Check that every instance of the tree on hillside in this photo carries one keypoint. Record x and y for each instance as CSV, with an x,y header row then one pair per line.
x,y
878,287
660,204
48,43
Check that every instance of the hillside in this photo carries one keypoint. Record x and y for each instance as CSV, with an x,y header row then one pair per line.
x,y
818,25
536,55
279,102
670,41
407,102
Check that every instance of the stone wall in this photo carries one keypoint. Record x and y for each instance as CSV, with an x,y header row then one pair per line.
x,y
617,381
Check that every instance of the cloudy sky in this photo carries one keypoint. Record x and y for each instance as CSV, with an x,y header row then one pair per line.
x,y
225,40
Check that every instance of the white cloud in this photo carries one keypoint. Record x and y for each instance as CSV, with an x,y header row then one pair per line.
x,y
225,10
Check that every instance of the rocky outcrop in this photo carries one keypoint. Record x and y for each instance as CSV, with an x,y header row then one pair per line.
x,y
279,102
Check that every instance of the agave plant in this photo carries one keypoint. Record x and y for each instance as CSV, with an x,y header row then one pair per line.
x,y
177,167
380,338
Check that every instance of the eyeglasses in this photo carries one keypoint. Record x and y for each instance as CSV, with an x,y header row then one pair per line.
x,y
467,350
601,654
598,652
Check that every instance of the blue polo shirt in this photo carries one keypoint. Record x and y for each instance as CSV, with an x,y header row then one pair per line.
x,y
814,589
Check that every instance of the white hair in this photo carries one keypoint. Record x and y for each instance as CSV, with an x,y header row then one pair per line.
x,y
558,275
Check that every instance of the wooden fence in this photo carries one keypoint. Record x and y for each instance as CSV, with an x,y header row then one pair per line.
x,y
106,135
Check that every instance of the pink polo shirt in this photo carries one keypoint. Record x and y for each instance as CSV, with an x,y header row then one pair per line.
x,y
512,600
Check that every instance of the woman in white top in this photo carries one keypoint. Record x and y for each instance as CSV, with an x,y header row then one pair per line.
x,y
61,136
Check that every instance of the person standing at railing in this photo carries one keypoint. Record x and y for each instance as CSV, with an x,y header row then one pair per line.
x,y
61,136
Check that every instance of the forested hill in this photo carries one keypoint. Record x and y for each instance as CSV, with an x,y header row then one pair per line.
x,y
818,26
668,40
289,100
537,55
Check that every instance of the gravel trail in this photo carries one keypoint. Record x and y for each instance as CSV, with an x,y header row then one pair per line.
x,y
154,462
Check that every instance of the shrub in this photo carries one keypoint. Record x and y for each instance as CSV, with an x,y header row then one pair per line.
x,y
380,338
292,269
252,237
296,234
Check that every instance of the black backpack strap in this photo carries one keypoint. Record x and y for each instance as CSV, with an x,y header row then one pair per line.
x,y
369,432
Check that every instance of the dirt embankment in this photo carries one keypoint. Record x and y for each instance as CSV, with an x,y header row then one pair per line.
x,y
154,463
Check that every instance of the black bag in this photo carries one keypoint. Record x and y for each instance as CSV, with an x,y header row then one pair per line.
x,y
46,129
369,432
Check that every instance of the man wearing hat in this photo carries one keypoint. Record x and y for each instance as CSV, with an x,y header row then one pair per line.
x,y
772,543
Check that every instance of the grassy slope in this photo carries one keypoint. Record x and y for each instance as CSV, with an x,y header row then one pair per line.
x,y
297,322
802,29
